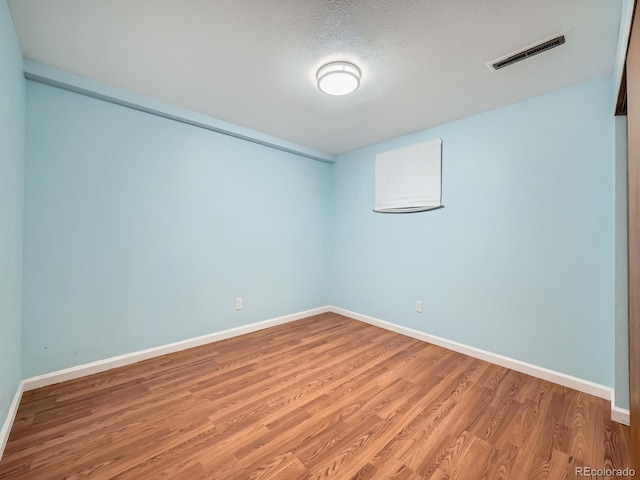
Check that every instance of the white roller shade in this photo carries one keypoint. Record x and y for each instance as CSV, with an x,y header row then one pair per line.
x,y
409,179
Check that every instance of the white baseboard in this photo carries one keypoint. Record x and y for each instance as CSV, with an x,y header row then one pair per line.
x,y
617,414
620,415
11,416
129,358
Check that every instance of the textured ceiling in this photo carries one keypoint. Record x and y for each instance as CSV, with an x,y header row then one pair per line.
x,y
253,62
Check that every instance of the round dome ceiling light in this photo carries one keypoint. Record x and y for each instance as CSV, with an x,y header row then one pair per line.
x,y
338,78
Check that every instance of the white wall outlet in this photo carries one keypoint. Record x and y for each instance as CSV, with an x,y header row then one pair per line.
x,y
418,306
239,303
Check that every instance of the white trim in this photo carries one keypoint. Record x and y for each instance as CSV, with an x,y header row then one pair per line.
x,y
618,414
129,358
11,416
48,75
621,52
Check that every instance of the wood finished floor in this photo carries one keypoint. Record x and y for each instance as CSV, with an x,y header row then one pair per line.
x,y
323,397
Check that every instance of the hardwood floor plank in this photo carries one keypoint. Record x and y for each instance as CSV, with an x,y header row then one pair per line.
x,y
474,463
322,397
283,466
500,464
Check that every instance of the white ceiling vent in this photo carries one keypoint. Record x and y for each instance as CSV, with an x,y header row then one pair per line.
x,y
520,55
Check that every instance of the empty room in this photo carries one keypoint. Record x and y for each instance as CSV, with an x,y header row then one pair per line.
x,y
306,239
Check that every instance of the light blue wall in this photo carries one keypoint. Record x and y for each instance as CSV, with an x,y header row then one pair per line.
x,y
621,270
12,122
140,231
520,261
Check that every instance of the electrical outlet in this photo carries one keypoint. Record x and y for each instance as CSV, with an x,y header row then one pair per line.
x,y
418,306
239,303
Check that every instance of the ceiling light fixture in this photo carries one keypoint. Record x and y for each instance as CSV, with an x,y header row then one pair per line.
x,y
338,78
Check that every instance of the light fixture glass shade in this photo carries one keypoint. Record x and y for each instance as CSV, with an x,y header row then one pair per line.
x,y
338,78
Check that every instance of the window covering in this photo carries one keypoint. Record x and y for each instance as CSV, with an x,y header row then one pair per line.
x,y
409,179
